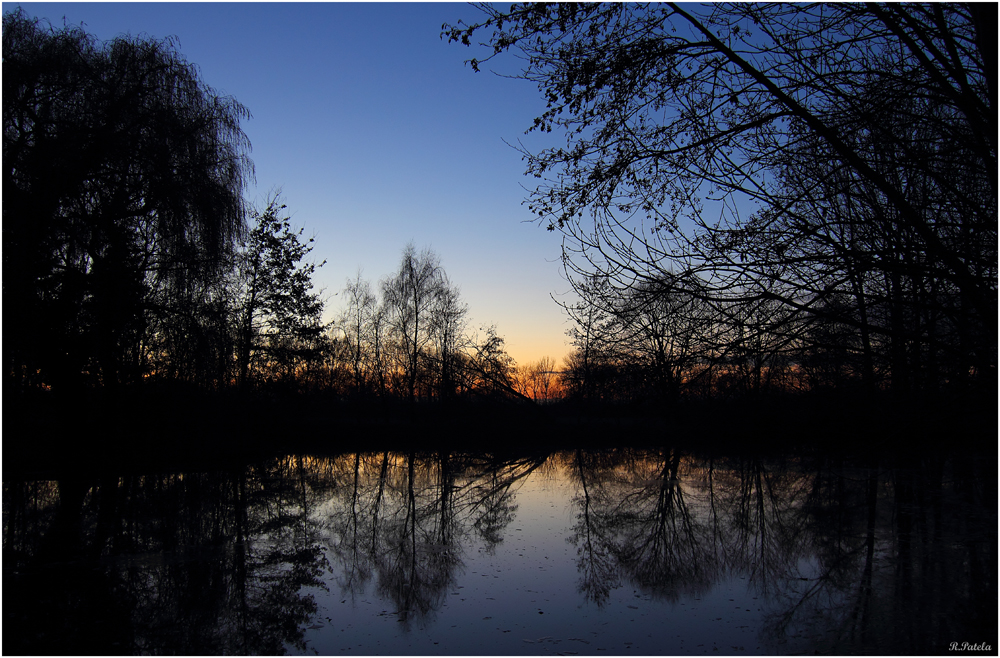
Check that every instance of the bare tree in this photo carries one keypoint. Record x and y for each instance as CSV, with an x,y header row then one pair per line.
x,y
540,379
410,295
806,154
448,336
357,321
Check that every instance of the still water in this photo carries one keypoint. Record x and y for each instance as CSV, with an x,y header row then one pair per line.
x,y
613,552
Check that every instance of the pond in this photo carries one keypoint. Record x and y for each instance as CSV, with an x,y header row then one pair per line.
x,y
617,552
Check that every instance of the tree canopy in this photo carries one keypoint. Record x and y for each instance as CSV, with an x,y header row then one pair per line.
x,y
123,184
837,160
410,338
276,314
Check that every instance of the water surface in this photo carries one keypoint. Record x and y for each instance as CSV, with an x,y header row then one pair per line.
x,y
611,552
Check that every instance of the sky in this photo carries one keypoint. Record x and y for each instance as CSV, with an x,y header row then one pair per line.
x,y
377,134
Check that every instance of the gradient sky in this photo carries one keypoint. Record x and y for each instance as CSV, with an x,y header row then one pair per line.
x,y
377,133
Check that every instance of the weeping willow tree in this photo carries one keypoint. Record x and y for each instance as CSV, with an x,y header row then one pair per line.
x,y
123,196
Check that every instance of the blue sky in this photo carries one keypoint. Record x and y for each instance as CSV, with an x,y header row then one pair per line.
x,y
377,133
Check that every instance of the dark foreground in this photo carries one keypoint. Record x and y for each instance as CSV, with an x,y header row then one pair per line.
x,y
170,428
754,532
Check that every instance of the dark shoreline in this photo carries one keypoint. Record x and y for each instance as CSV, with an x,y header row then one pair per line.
x,y
155,432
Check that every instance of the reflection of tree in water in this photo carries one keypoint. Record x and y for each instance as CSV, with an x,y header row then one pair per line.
x,y
491,493
349,520
283,546
194,563
223,562
664,545
635,522
404,519
416,555
596,561
887,557
754,514
673,525
57,601
906,550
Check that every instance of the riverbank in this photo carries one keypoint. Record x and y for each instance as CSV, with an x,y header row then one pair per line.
x,y
163,430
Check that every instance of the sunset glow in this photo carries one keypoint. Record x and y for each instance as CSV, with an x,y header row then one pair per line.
x,y
532,328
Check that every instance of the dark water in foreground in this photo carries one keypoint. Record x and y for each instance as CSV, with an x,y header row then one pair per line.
x,y
617,552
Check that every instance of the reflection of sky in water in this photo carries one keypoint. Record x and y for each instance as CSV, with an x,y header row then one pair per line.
x,y
614,552
524,598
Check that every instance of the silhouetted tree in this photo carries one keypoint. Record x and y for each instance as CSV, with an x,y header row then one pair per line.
x,y
590,320
540,379
492,369
773,152
123,181
410,295
448,337
357,321
275,311
410,338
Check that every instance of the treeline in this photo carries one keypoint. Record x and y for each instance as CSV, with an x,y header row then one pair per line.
x,y
767,197
851,246
130,254
132,258
409,337
662,344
